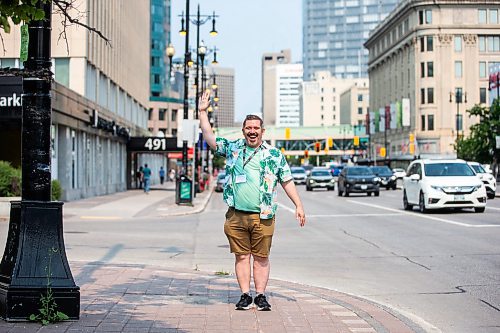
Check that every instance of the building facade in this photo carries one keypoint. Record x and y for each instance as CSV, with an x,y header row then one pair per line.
x,y
334,33
320,99
288,78
269,60
223,110
428,64
100,97
355,103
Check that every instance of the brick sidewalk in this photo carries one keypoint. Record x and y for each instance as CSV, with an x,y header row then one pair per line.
x,y
134,298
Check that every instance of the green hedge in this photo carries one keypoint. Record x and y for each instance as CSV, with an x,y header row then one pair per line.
x,y
10,183
10,180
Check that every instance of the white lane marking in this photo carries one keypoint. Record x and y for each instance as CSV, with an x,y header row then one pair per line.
x,y
100,217
353,215
494,208
287,208
427,216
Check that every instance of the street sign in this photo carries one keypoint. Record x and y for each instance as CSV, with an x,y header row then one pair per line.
x,y
11,90
153,144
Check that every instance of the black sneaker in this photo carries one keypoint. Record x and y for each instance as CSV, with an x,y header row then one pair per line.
x,y
261,303
245,302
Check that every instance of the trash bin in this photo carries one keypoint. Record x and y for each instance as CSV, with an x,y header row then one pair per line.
x,y
183,193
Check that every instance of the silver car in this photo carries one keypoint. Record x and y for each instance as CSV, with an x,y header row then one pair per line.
x,y
320,178
299,175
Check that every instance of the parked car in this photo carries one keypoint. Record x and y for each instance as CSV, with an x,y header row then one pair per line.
x,y
320,178
221,181
387,178
357,179
299,175
435,184
399,173
336,169
487,178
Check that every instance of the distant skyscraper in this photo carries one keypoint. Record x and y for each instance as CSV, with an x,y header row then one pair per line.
x,y
334,33
224,77
160,37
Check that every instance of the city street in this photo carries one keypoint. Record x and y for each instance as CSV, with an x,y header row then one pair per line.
x,y
441,270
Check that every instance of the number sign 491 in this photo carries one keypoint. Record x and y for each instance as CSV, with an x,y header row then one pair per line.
x,y
156,144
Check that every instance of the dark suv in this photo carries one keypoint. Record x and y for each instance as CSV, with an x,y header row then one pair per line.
x,y
357,179
387,178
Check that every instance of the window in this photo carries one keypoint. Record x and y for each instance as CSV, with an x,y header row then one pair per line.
x,y
360,98
482,69
421,17
482,44
430,69
161,114
422,69
458,69
422,122
458,95
458,43
430,95
430,43
174,115
156,78
422,44
481,19
430,122
360,110
428,16
62,71
482,95
150,114
459,122
422,96
493,16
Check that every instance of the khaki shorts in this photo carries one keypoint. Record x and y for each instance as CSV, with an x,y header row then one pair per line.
x,y
248,233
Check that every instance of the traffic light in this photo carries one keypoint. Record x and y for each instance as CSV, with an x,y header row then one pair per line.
x,y
412,148
306,153
412,137
330,142
283,150
287,133
356,140
382,151
317,147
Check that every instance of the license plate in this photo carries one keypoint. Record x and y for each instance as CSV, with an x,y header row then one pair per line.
x,y
322,184
364,187
459,197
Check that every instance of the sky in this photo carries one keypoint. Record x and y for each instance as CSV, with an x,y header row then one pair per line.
x,y
247,30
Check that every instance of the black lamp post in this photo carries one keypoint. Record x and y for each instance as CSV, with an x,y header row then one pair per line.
x,y
35,244
459,98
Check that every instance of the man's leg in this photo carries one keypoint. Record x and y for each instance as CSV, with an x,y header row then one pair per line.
x,y
242,268
261,268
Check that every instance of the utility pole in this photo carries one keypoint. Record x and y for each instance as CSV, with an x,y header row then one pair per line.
x,y
35,244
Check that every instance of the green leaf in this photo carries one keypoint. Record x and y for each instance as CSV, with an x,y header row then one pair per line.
x,y
62,316
33,317
45,322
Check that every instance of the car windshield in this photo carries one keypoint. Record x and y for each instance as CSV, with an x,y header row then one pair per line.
x,y
381,170
478,168
448,169
221,176
298,170
359,172
321,173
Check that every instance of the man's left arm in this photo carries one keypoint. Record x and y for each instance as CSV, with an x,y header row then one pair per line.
x,y
291,192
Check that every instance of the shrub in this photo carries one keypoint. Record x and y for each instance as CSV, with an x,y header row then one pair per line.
x,y
10,180
56,193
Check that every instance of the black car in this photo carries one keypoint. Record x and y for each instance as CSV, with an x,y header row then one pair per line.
x,y
387,178
357,179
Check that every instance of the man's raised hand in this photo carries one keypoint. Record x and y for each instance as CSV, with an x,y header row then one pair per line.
x,y
204,101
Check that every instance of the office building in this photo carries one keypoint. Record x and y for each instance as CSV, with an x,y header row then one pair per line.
x,y
288,80
224,93
355,103
422,57
334,32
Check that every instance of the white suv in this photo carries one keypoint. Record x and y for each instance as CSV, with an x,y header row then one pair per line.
x,y
435,184
486,177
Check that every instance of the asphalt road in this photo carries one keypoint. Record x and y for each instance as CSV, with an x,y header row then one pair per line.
x,y
441,270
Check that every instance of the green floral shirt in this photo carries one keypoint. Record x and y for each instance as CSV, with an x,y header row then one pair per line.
x,y
273,169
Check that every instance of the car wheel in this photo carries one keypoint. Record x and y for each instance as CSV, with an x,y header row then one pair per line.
x,y
377,193
369,194
491,196
308,188
479,209
388,188
421,203
406,205
394,187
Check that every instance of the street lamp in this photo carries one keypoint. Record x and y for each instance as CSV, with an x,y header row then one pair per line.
x,y
170,55
459,123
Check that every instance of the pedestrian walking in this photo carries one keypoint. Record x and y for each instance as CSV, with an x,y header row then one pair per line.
x,y
255,168
146,172
162,175
171,175
139,177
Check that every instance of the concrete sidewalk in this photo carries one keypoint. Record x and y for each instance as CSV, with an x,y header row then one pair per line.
x,y
141,298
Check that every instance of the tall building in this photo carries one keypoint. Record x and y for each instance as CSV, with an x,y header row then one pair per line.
x,y
160,38
320,99
224,111
288,78
429,64
269,60
100,97
334,32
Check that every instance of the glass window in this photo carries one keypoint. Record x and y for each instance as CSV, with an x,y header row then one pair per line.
x,y
161,114
482,44
422,44
174,115
482,95
458,43
8,62
482,69
430,43
430,122
422,96
428,16
422,122
459,122
62,71
481,19
493,16
490,44
458,69
430,95
421,17
430,69
360,110
150,114
360,98
458,95
422,69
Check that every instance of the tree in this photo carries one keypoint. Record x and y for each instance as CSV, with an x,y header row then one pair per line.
x,y
480,145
